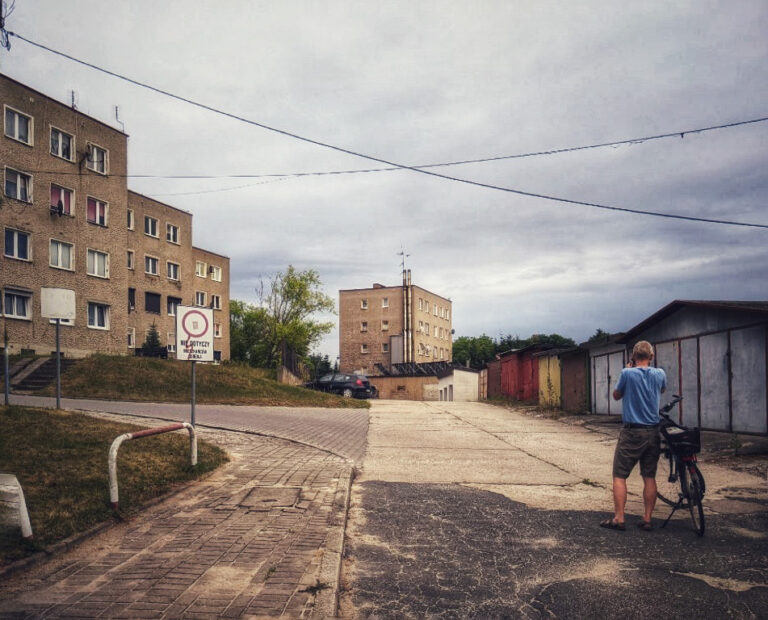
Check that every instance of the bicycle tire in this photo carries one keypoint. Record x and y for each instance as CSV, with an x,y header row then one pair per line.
x,y
695,494
666,490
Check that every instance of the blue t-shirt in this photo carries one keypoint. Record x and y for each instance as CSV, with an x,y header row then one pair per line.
x,y
641,392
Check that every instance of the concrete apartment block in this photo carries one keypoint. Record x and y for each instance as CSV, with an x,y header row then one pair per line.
x,y
69,221
383,325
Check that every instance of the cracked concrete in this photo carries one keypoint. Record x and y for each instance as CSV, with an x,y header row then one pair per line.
x,y
466,510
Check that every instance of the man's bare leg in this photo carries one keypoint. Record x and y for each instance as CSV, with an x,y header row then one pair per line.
x,y
619,498
649,497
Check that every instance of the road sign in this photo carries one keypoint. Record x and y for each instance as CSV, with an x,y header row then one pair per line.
x,y
194,334
57,303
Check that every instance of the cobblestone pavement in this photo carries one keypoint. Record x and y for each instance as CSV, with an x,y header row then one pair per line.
x,y
261,537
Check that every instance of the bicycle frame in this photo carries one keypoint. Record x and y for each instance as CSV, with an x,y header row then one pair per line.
x,y
683,468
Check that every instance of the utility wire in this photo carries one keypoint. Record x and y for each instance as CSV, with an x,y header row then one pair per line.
x,y
379,159
569,149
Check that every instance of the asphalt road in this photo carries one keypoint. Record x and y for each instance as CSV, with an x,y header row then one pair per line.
x,y
471,511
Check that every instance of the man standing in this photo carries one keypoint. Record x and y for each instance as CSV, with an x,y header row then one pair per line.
x,y
640,385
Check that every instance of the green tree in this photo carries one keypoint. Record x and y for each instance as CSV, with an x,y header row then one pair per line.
x,y
283,316
599,336
152,341
477,350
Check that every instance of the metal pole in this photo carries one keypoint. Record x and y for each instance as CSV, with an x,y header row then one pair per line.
x,y
6,366
194,364
58,366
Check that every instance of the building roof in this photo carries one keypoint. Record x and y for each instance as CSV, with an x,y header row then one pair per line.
x,y
535,347
64,105
755,307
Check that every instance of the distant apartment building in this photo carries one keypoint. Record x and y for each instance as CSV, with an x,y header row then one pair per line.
x,y
386,325
69,221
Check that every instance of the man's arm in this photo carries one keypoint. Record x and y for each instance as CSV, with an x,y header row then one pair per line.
x,y
617,395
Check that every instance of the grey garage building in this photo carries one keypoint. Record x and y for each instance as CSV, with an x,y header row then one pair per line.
x,y
714,354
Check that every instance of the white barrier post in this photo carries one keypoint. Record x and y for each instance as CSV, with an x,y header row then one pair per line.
x,y
12,494
112,459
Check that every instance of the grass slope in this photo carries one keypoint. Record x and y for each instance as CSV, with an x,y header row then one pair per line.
x,y
60,458
147,379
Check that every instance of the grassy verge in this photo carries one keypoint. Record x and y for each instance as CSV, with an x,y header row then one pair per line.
x,y
146,379
60,458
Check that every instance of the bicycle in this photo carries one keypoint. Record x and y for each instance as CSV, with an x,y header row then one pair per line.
x,y
680,445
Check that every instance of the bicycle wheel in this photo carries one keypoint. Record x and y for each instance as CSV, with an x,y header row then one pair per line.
x,y
695,493
667,485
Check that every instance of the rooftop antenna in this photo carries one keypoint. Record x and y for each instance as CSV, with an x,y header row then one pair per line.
x,y
404,255
117,118
74,105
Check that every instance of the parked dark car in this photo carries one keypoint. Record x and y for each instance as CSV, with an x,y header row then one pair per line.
x,y
347,385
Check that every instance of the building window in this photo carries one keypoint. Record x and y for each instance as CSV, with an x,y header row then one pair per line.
x,y
215,273
421,304
96,211
171,346
447,315
97,159
18,126
61,199
150,226
18,185
385,302
426,328
172,233
421,327
17,244
131,300
363,348
60,255
98,315
216,302
98,264
384,326
385,347
364,304
173,271
199,298
62,144
200,269
172,305
131,259
434,353
435,310
17,304
150,265
152,303
131,337
364,326
435,331
217,330
131,222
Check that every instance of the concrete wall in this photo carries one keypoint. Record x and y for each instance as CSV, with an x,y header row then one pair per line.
x,y
460,386
406,388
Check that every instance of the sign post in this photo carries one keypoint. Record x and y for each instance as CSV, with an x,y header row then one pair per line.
x,y
194,341
57,304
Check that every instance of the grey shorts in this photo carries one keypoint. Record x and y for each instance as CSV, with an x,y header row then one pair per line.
x,y
637,444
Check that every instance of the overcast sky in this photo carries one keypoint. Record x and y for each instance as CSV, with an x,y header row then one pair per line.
x,y
434,82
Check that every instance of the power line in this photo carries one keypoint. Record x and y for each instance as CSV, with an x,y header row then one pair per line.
x,y
386,161
569,149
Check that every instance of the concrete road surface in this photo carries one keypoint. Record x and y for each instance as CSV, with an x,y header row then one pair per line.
x,y
469,510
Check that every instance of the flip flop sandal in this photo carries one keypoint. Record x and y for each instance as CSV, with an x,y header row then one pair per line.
x,y
646,526
610,524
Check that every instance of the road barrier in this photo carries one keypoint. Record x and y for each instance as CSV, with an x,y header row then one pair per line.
x,y
113,494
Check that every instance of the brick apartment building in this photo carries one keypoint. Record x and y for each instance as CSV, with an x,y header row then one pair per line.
x,y
386,325
69,221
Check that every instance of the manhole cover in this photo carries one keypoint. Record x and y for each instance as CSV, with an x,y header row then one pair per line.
x,y
271,497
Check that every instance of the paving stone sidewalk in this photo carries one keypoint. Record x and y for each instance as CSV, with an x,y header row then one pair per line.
x,y
261,537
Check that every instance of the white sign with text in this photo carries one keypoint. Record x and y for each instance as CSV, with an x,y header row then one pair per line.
x,y
194,334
